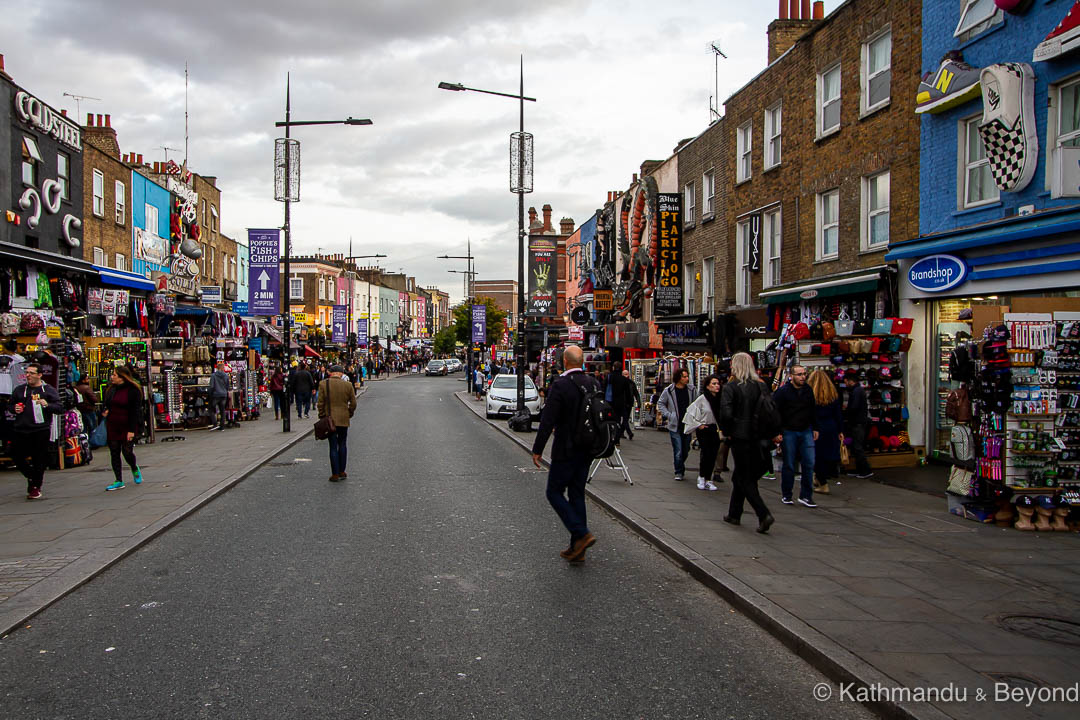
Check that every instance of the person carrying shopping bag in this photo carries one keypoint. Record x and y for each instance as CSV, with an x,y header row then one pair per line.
x,y
702,417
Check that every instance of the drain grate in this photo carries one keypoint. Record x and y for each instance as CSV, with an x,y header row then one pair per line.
x,y
1042,627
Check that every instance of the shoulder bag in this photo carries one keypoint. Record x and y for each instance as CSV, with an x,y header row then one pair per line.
x,y
325,425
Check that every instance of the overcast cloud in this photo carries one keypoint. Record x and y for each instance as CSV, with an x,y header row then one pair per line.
x,y
616,83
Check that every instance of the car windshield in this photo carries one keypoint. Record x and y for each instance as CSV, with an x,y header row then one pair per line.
x,y
434,364
510,381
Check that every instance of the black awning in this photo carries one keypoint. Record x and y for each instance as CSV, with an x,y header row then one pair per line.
x,y
41,257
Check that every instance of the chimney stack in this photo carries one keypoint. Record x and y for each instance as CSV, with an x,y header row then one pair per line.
x,y
795,19
819,9
532,217
566,226
547,218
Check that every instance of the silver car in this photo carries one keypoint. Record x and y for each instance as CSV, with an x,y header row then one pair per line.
x,y
502,396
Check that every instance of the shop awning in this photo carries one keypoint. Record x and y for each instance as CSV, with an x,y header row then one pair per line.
x,y
1007,231
122,278
849,284
309,352
42,257
271,331
394,347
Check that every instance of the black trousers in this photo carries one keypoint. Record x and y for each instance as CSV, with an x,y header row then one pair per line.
x,y
749,467
30,450
858,449
127,449
709,440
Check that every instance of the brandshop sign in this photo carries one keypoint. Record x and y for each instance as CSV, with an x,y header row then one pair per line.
x,y
937,273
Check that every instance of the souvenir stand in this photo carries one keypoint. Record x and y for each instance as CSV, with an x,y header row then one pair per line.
x,y
166,364
1025,445
103,353
877,351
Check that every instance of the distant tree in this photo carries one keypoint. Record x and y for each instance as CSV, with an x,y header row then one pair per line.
x,y
496,321
445,341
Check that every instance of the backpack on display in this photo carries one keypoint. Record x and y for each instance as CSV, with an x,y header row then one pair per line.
x,y
962,441
958,405
596,425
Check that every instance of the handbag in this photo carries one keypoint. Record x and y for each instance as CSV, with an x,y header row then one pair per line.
x,y
883,326
961,482
324,426
845,455
100,436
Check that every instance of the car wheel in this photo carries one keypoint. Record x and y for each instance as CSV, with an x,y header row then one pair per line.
x,y
489,415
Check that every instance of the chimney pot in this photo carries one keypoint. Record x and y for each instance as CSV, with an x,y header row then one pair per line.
x,y
793,9
108,118
140,158
819,10
1,63
89,120
783,10
804,11
635,177
99,121
62,111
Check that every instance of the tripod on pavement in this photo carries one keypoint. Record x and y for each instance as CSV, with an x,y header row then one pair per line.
x,y
614,462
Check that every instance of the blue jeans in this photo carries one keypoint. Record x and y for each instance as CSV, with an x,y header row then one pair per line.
x,y
798,444
303,404
339,450
680,448
569,477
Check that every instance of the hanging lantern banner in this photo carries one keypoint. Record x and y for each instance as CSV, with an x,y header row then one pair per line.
x,y
337,334
361,332
263,283
479,323
542,278
669,292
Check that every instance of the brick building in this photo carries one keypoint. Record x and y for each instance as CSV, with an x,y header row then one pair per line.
x,y
503,292
107,220
822,162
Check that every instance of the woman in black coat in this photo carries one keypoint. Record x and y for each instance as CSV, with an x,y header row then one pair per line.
x,y
123,422
830,423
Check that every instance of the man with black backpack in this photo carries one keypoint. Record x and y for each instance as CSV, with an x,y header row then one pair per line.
x,y
570,456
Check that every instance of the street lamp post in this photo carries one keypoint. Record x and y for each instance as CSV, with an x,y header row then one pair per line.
x,y
289,150
521,183
352,258
469,274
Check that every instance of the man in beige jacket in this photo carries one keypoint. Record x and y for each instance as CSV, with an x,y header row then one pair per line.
x,y
337,398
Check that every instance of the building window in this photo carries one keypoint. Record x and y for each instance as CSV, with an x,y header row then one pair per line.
x,y
296,288
744,145
63,175
707,268
976,16
121,203
204,223
121,262
322,288
341,297
151,213
99,257
828,106
1068,116
708,192
875,211
99,193
690,200
31,156
877,72
977,182
773,128
773,242
690,287
212,258
828,225
742,263
213,218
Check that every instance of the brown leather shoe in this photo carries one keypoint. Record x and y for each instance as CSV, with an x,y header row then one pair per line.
x,y
343,475
335,478
580,545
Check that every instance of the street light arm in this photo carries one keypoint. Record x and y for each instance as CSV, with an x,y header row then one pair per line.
x,y
458,87
347,121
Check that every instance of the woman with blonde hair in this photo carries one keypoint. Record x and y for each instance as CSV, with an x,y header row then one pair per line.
x,y
830,421
738,405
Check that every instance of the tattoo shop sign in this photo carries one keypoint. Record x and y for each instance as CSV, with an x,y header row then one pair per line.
x,y
668,299
542,278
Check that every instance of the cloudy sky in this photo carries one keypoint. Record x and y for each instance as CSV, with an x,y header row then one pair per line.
x,y
617,82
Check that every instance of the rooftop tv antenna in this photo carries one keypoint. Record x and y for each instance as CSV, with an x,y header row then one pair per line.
x,y
167,149
78,106
714,101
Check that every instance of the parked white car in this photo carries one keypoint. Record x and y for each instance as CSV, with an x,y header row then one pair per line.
x,y
502,396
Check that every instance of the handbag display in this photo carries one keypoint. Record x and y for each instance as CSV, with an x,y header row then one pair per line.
x,y
324,426
883,326
961,482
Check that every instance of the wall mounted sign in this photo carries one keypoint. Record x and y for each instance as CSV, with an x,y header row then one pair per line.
x,y
33,111
603,300
669,291
211,294
362,332
576,333
240,307
263,278
937,273
543,277
338,324
755,243
808,294
479,323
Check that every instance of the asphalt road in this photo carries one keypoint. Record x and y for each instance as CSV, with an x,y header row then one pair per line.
x,y
427,585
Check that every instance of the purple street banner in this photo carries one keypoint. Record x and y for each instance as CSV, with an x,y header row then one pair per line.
x,y
337,334
361,332
264,252
479,323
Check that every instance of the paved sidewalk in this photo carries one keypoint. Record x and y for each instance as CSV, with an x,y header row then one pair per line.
x,y
878,585
49,547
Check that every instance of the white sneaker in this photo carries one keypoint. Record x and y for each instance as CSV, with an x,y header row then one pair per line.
x,y
701,483
709,486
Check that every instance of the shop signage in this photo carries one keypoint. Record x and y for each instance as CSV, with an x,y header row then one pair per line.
x,y
338,325
541,302
150,247
362,332
264,253
808,294
755,243
688,333
669,292
937,273
163,304
576,332
33,111
52,332
300,318
255,344
177,284
240,307
603,300
211,294
479,323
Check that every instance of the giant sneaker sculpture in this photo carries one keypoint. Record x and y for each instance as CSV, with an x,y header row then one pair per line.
x,y
1008,124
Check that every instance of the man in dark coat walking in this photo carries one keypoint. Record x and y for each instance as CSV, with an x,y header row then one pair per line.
x,y
569,469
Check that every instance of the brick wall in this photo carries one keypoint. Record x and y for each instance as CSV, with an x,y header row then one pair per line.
x,y
103,231
707,236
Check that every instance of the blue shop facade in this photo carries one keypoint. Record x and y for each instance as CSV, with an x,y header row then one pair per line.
x,y
999,185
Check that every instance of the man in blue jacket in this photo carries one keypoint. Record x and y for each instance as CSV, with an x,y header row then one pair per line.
x,y
34,403
569,469
795,403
